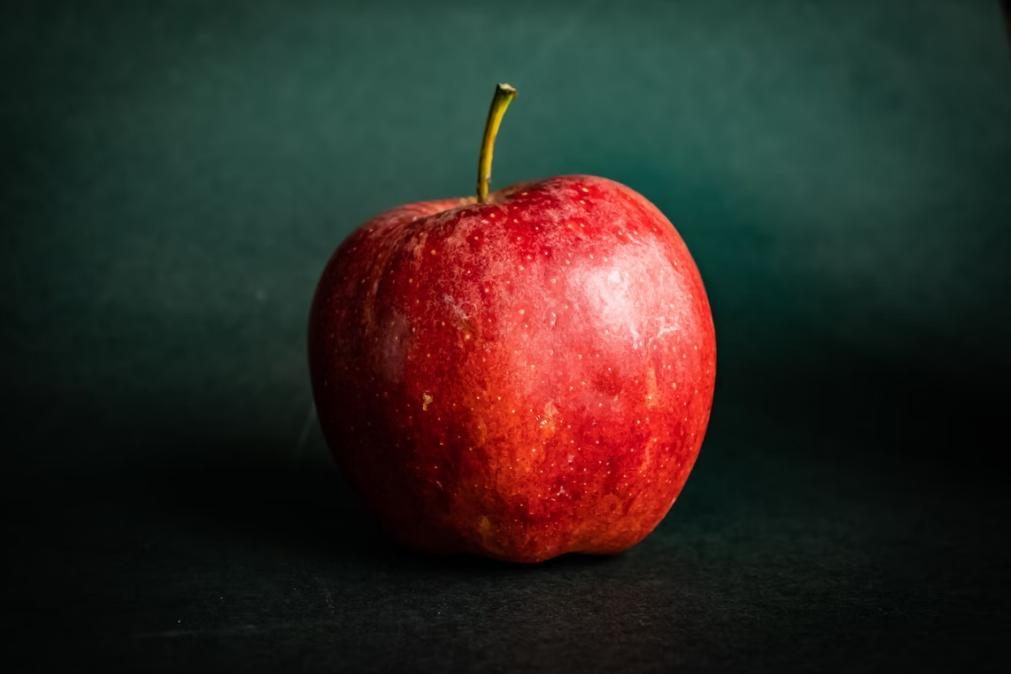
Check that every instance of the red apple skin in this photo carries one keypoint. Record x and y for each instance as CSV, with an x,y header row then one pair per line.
x,y
519,379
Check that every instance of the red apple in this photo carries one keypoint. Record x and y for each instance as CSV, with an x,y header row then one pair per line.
x,y
518,375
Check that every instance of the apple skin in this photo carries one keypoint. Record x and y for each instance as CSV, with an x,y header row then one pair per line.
x,y
517,379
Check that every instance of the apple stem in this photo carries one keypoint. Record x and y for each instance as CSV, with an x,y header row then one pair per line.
x,y
504,95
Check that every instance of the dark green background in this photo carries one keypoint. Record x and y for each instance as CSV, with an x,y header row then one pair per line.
x,y
175,176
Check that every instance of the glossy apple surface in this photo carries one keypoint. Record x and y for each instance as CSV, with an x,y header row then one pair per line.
x,y
519,378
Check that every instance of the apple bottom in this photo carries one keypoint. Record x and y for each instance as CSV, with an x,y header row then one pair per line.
x,y
610,526
491,501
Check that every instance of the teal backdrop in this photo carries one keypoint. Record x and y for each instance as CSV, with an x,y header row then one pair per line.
x,y
175,175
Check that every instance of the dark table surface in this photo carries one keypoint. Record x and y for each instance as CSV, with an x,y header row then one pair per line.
x,y
175,177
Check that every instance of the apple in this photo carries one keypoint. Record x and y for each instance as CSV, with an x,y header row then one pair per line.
x,y
517,374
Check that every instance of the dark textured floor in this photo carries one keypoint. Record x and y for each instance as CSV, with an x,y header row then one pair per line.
x,y
792,545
